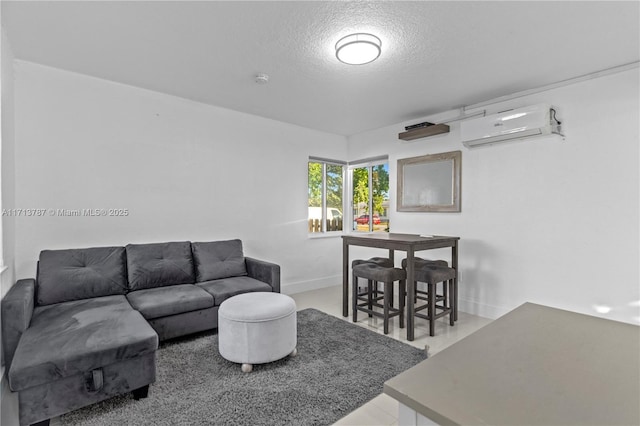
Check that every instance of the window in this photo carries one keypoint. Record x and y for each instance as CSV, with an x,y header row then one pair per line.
x,y
370,195
326,195
369,199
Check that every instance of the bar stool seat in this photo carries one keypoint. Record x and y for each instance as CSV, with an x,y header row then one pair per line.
x,y
420,262
387,275
380,261
432,274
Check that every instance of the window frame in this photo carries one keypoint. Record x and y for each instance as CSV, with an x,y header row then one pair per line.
x,y
323,208
369,163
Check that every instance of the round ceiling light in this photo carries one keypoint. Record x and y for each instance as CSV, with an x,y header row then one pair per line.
x,y
358,49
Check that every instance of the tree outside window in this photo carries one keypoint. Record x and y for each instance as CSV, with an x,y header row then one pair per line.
x,y
326,188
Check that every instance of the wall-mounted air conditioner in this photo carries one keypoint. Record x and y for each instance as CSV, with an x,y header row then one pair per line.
x,y
535,120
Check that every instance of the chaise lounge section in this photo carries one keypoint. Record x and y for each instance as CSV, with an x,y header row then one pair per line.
x,y
88,327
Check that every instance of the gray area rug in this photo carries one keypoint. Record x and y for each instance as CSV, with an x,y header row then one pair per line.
x,y
339,367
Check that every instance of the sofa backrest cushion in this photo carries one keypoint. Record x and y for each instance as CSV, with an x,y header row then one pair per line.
x,y
158,265
74,274
218,259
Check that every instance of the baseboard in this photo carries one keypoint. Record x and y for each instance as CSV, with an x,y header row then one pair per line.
x,y
465,305
484,310
299,287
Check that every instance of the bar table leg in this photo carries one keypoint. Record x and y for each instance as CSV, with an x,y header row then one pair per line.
x,y
345,278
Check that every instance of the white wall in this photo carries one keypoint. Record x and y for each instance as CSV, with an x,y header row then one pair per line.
x,y
8,160
8,405
184,170
547,221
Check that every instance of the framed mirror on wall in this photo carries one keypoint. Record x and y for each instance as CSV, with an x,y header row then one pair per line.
x,y
430,183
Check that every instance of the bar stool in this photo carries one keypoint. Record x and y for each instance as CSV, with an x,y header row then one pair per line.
x,y
387,275
433,274
419,262
380,261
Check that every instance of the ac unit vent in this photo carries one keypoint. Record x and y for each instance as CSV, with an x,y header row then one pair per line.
x,y
535,120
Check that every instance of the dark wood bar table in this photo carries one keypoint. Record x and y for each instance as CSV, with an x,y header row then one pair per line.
x,y
409,243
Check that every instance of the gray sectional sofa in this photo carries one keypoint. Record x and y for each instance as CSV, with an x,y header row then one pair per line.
x,y
87,328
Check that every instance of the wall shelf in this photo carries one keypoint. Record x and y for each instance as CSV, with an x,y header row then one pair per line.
x,y
423,132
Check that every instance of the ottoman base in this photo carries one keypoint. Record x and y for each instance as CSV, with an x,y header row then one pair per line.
x,y
248,368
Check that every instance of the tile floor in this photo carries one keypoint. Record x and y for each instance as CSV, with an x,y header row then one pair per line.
x,y
383,410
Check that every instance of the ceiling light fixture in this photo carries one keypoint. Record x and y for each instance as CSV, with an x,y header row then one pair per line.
x,y
358,49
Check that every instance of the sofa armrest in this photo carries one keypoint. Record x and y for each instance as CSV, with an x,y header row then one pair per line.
x,y
264,271
17,309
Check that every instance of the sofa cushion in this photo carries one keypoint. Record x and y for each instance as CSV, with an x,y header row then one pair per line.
x,y
225,288
79,336
161,264
218,259
172,300
65,275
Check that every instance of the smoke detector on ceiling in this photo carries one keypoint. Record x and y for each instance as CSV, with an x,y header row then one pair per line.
x,y
262,78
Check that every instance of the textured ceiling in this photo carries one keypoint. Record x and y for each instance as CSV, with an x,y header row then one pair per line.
x,y
436,55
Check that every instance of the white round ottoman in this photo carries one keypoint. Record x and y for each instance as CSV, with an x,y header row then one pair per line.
x,y
256,328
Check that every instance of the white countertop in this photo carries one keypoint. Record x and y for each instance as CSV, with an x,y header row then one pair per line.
x,y
533,366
